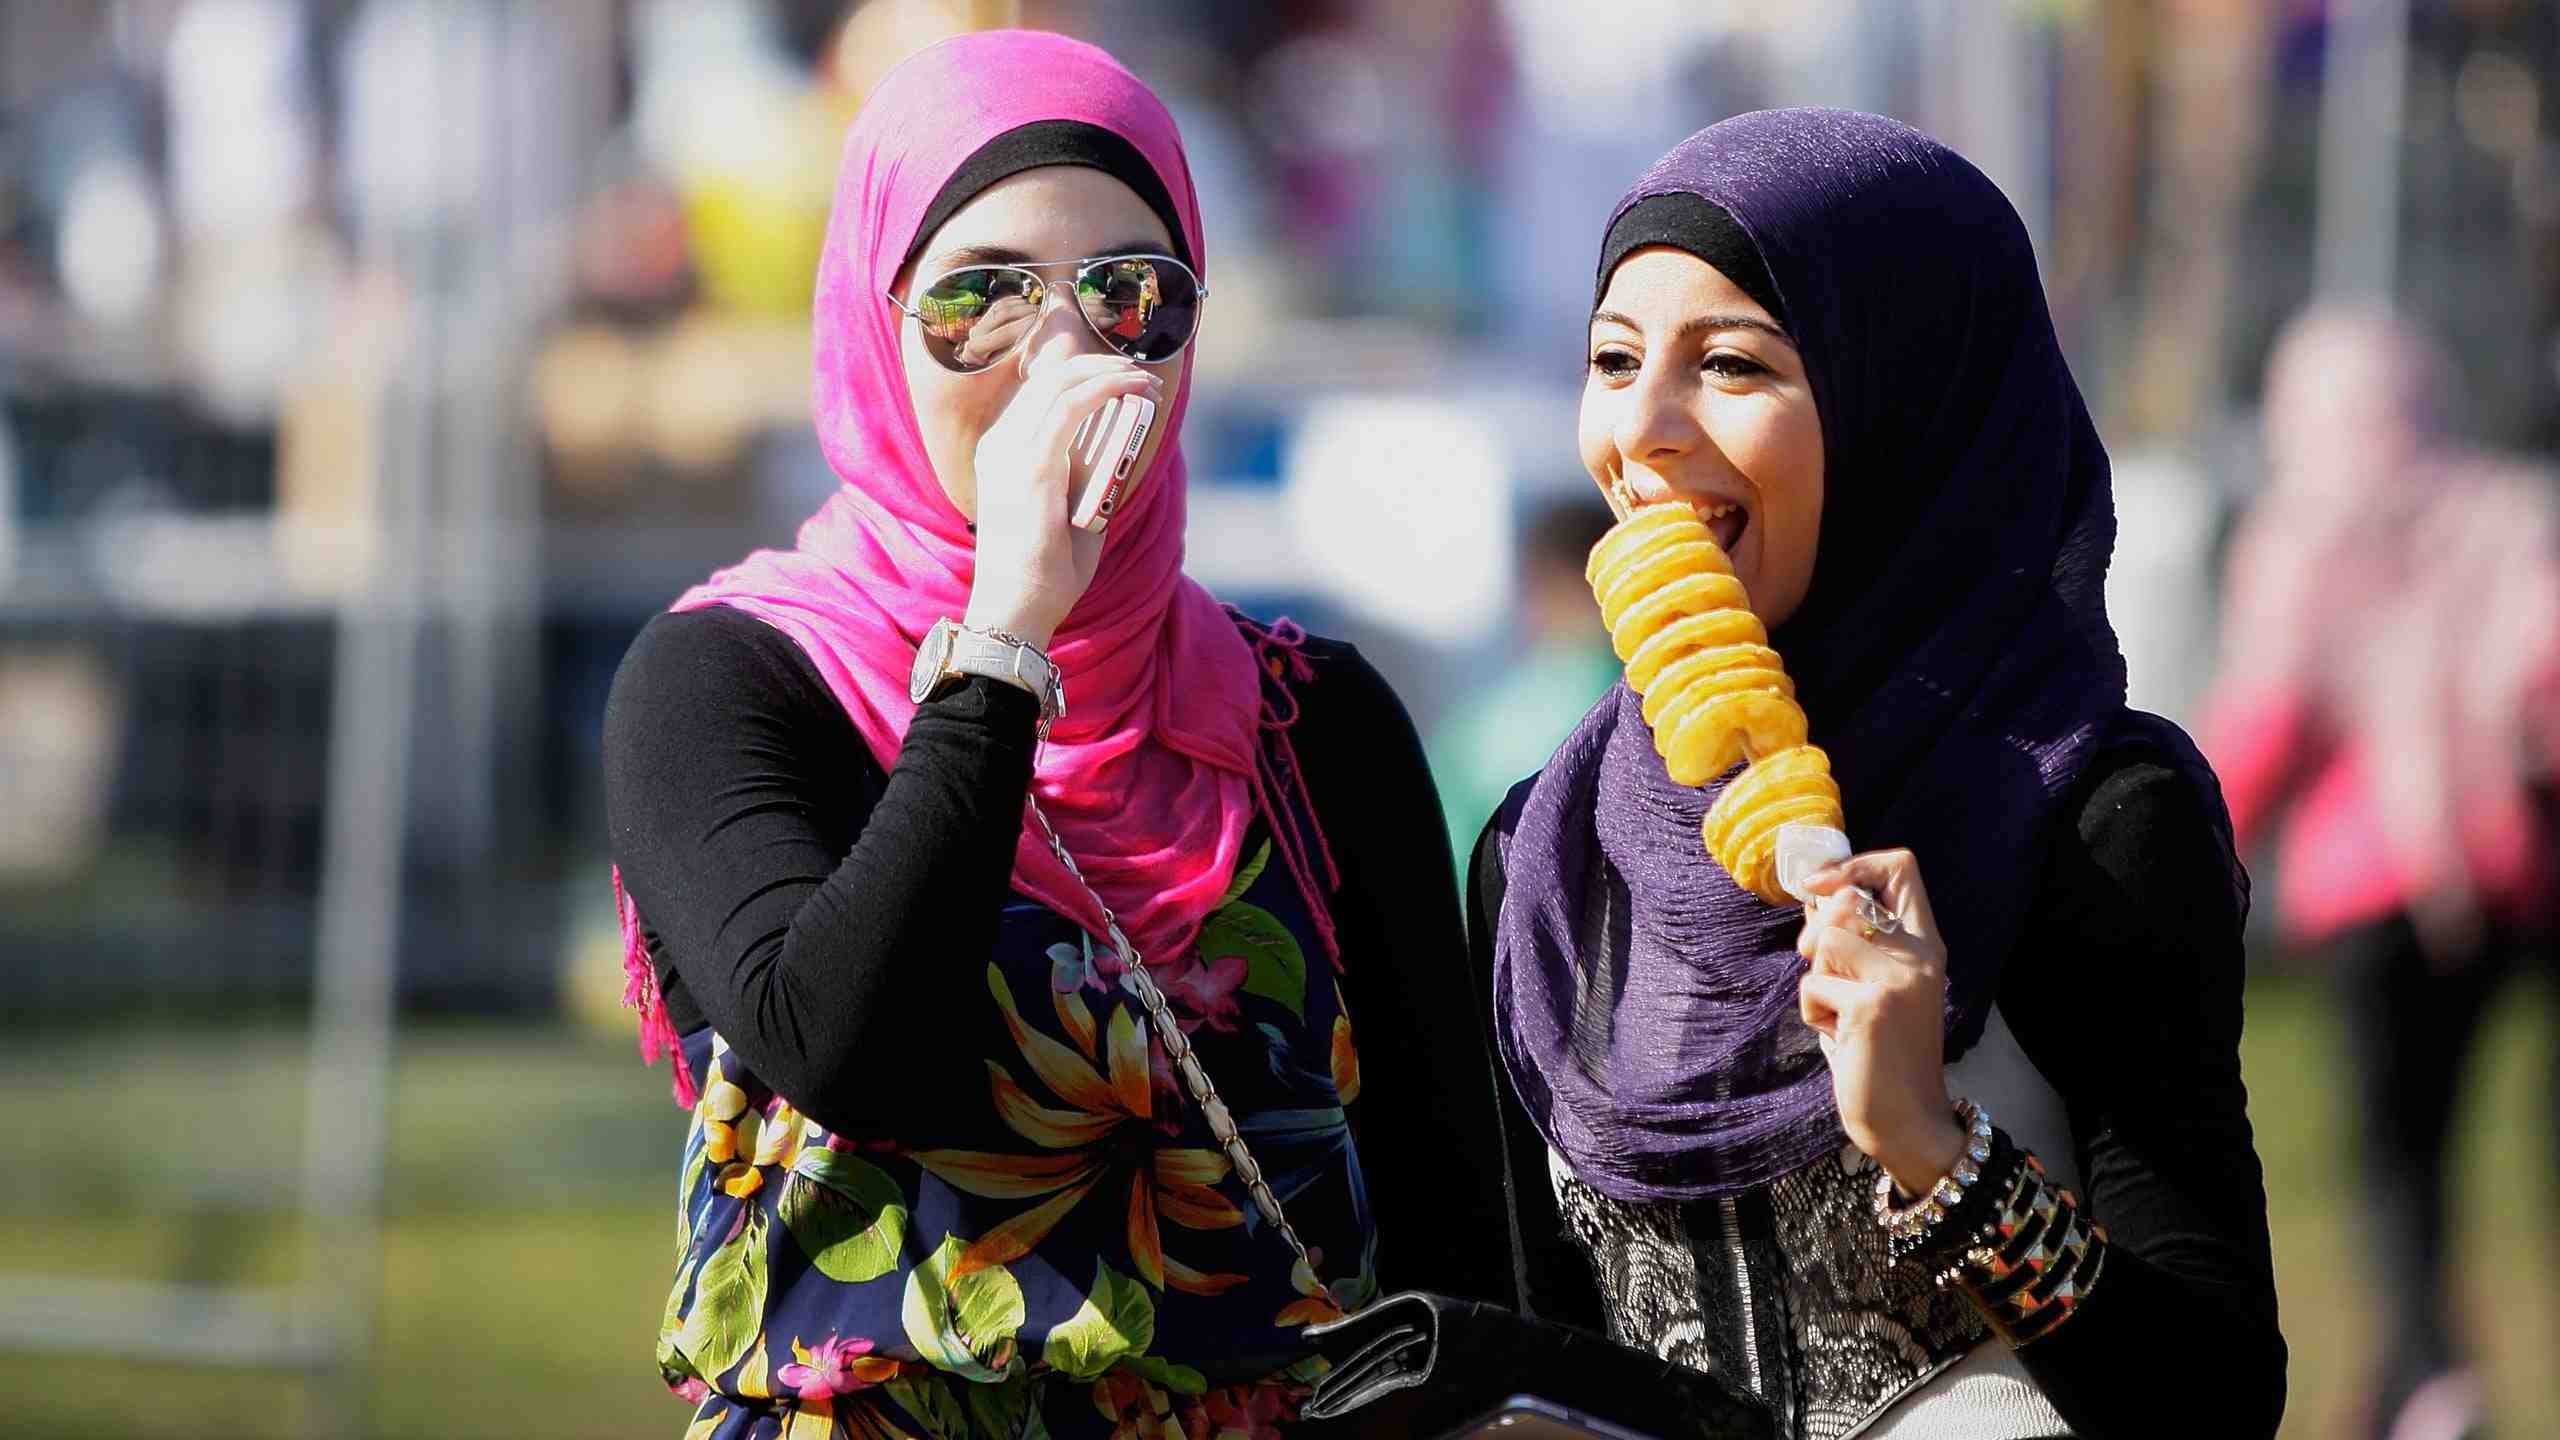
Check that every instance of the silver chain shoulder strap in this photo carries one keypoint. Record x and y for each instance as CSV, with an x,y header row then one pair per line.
x,y
1177,1047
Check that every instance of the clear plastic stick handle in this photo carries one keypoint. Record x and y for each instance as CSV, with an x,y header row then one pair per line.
x,y
1804,849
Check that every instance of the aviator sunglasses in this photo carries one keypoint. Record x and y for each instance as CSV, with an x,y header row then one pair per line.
x,y
1146,307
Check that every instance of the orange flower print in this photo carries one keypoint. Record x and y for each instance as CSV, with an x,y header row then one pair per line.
x,y
1346,1056
1137,1410
743,1140
1100,1139
1248,1412
1316,1304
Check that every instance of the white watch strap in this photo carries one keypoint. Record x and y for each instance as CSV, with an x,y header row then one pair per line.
x,y
976,652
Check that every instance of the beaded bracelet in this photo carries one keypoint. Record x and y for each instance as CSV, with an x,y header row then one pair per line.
x,y
1910,1226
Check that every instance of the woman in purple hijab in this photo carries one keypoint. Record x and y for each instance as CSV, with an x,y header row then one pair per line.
x,y
1978,1164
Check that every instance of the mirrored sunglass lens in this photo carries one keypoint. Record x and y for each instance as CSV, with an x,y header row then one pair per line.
x,y
1146,308
973,317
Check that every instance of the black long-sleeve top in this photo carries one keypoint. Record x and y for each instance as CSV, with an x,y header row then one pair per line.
x,y
2127,997
808,905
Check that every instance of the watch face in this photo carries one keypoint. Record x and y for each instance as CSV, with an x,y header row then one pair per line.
x,y
931,657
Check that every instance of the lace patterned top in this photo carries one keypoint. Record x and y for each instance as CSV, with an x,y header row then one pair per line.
x,y
1791,1293
2122,1075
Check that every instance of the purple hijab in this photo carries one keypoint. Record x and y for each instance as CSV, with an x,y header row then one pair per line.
x,y
1953,655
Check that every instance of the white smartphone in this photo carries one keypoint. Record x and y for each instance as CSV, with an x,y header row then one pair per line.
x,y
1103,458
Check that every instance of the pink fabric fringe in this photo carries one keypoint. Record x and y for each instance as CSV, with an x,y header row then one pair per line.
x,y
1279,648
640,993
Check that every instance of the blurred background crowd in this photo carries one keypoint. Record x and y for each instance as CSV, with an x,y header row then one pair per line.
x,y
370,370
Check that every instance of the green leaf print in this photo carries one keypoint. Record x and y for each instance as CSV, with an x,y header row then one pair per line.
x,y
930,1399
1180,1379
728,1302
1000,1412
847,1215
684,1193
1246,874
964,1325
671,1361
1275,968
755,1378
1115,1322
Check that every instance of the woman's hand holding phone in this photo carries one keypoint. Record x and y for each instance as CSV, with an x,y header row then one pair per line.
x,y
1033,562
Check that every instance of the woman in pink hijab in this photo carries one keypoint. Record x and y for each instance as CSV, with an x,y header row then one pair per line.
x,y
2390,666
966,847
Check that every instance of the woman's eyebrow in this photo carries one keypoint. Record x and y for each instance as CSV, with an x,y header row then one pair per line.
x,y
1700,324
1704,324
967,255
980,255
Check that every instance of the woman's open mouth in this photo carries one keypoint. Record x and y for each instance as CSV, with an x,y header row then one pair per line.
x,y
1725,521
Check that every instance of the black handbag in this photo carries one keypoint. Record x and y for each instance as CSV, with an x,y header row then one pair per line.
x,y
1416,1363
1423,1363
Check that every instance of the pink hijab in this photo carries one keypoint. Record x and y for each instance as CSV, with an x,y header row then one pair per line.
x,y
1152,776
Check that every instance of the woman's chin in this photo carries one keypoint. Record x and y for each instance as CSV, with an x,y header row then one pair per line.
x,y
1748,572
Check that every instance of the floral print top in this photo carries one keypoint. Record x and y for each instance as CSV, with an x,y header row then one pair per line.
x,y
1040,1238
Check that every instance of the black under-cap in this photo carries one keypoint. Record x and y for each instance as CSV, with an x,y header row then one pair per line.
x,y
1052,142
1701,227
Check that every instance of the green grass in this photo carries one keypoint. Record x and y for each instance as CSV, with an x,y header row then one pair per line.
x,y
525,1250
2506,1252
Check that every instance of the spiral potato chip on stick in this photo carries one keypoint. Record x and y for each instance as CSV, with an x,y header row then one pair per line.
x,y
1714,693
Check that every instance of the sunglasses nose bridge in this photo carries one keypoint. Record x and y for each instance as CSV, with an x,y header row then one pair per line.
x,y
1048,298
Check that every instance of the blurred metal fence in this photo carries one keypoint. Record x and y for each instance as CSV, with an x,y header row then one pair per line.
x,y
269,718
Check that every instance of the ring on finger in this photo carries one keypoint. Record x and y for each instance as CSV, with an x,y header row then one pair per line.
x,y
1874,919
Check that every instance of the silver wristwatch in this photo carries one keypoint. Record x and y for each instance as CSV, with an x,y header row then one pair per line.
x,y
951,650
